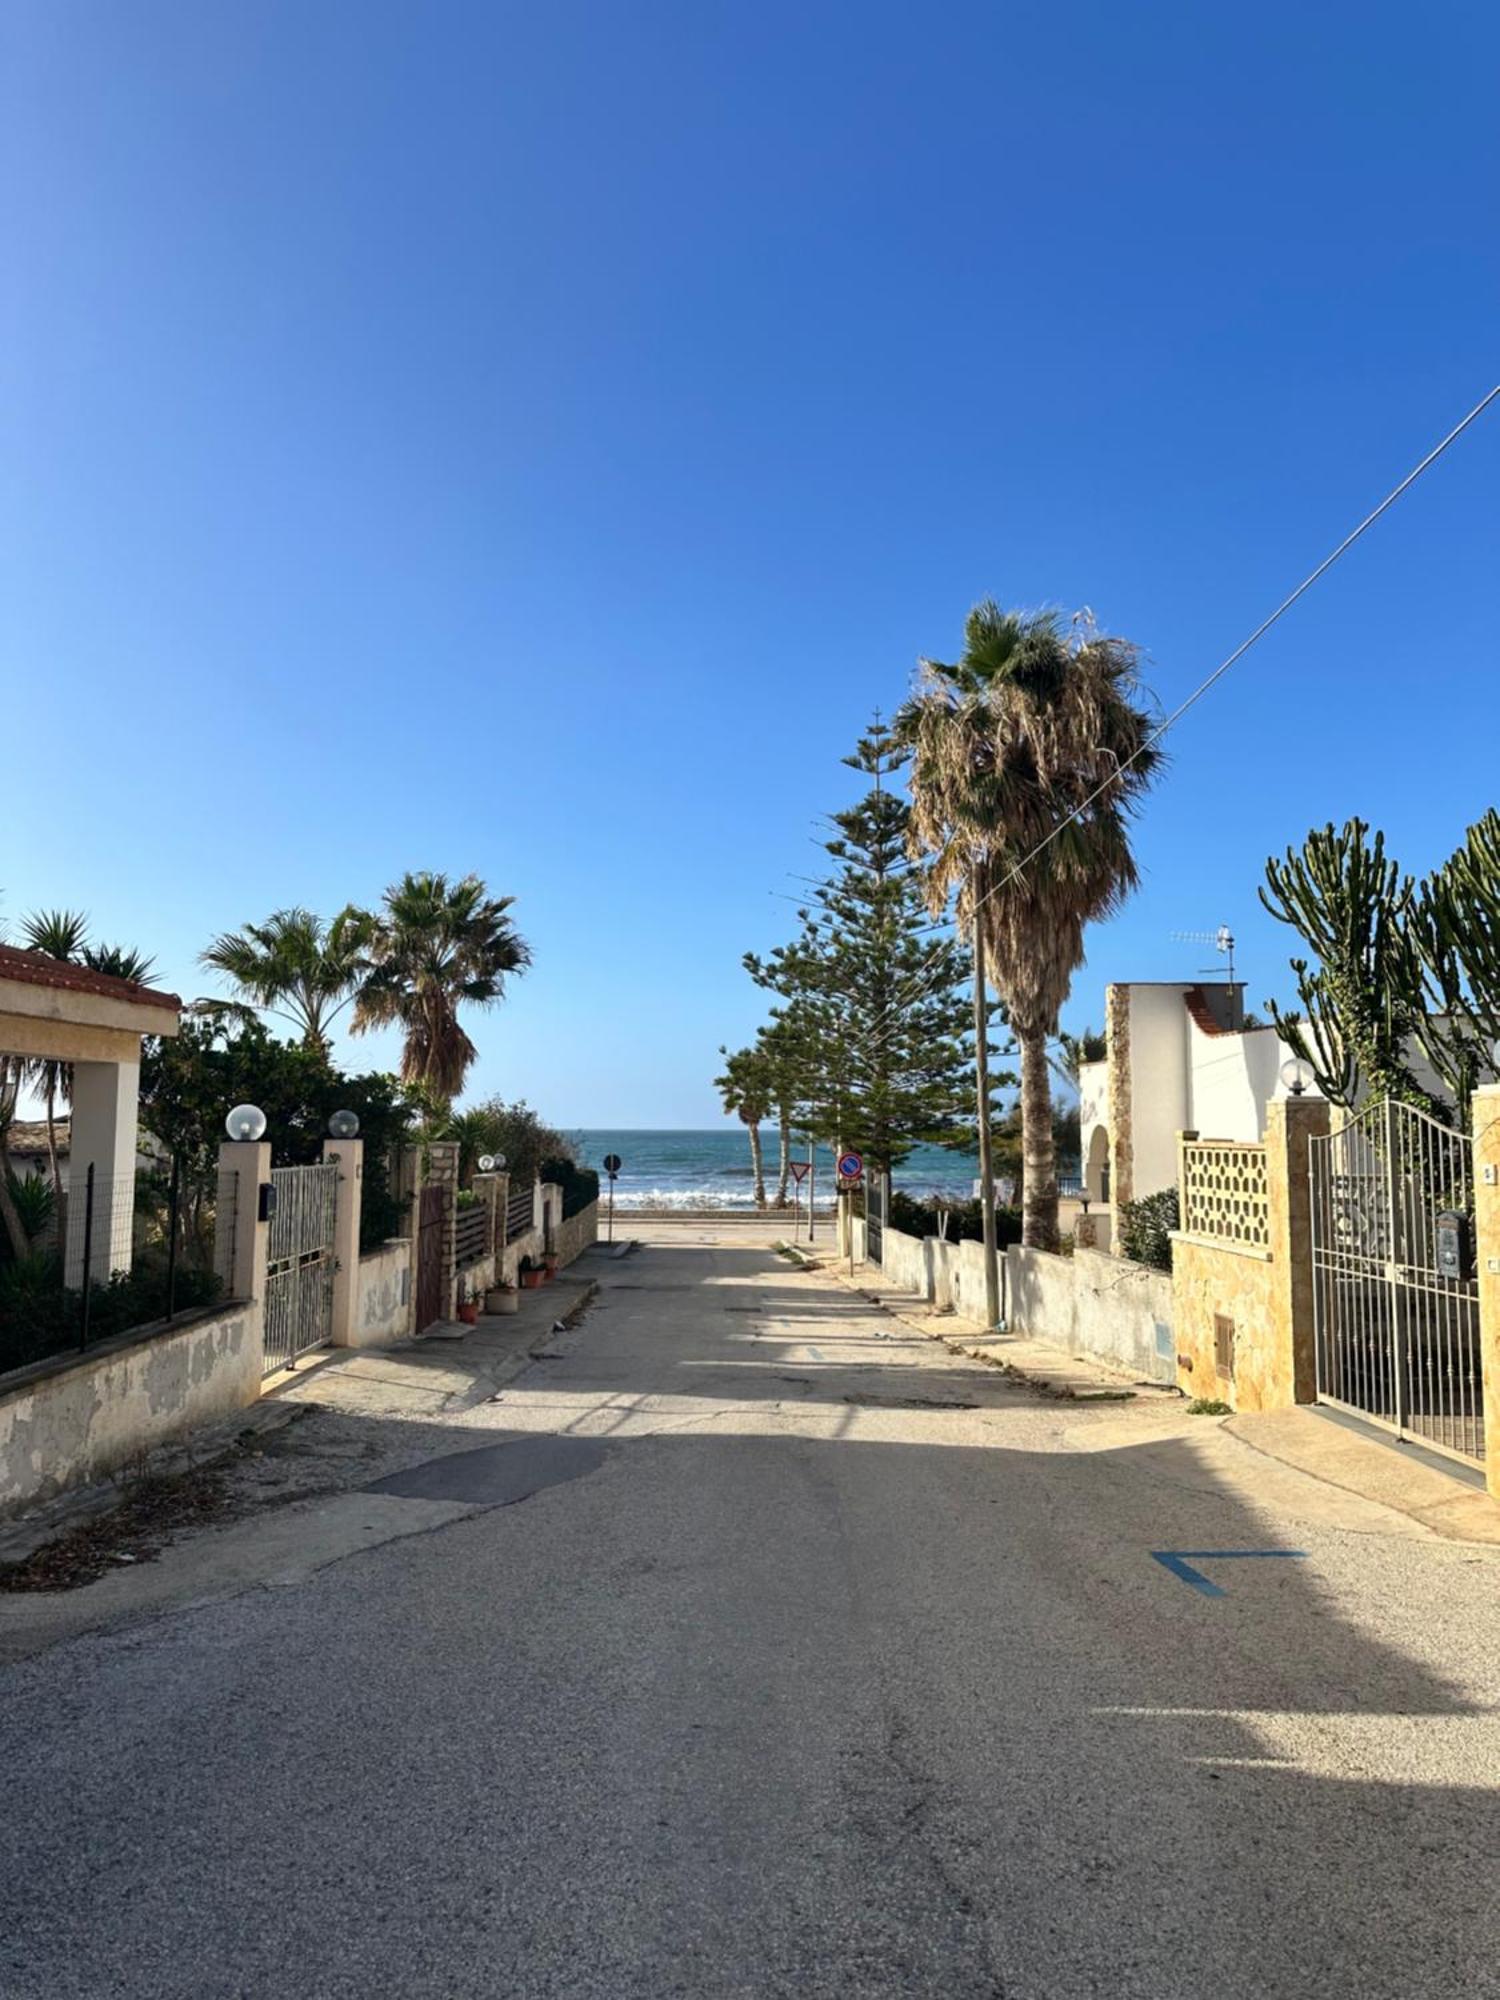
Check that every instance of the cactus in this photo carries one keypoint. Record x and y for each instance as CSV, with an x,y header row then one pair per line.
x,y
1364,1006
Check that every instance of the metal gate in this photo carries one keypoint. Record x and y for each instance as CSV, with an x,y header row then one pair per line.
x,y
431,1233
300,1262
877,1205
1397,1336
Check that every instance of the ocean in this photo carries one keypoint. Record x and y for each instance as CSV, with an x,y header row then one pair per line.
x,y
691,1170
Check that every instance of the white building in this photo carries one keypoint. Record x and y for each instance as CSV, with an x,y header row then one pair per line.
x,y
1175,1062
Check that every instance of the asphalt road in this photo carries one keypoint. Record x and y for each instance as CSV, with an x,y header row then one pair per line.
x,y
757,1665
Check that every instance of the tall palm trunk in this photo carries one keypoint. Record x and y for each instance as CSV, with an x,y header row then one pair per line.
x,y
59,1193
20,1242
982,1104
1038,1152
784,1163
752,1126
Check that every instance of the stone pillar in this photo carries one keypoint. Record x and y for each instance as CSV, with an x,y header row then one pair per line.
x,y
490,1189
105,1106
348,1155
441,1170
1118,1096
1290,1123
1487,1266
241,1238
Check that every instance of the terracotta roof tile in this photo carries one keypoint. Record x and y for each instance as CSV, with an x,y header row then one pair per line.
x,y
35,968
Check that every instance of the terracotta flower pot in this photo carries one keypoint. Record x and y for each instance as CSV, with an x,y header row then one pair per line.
x,y
468,1312
533,1280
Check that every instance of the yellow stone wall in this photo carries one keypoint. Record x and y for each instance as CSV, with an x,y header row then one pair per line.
x,y
1265,1293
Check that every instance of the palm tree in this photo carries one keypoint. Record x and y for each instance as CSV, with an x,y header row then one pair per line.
x,y
746,1088
1073,1051
60,934
432,947
296,967
1030,754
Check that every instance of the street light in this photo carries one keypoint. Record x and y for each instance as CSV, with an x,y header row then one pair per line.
x,y
491,1163
344,1125
246,1123
1297,1075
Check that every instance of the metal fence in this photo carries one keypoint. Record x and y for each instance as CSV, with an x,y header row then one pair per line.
x,y
300,1262
101,1256
1395,1297
471,1234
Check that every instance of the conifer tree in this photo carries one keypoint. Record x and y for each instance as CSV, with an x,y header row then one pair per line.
x,y
875,1012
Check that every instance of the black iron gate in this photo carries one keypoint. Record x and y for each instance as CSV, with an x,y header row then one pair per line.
x,y
431,1232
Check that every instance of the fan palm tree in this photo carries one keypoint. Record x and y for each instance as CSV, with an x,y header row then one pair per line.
x,y
747,1088
297,967
1030,755
433,947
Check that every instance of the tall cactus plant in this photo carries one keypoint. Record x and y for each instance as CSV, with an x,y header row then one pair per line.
x,y
1364,1003
1456,934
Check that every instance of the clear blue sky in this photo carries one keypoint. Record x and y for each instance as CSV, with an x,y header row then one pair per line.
x,y
532,439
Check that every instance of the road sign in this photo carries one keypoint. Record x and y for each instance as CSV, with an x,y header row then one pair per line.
x,y
851,1166
800,1170
611,1164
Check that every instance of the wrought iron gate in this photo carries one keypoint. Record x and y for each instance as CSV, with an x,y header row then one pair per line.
x,y
300,1262
877,1204
432,1230
1397,1336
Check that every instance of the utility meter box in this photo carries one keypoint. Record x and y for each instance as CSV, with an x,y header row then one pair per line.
x,y
1451,1245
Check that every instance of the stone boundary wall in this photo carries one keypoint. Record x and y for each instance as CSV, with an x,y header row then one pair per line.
x,y
1090,1304
576,1232
1096,1307
75,1419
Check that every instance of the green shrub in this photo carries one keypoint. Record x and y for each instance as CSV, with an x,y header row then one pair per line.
x,y
965,1223
40,1316
580,1185
34,1204
1146,1226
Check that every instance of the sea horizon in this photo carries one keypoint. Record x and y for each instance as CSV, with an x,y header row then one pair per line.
x,y
708,1167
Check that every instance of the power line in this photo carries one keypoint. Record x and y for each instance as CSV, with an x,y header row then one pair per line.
x,y
1224,666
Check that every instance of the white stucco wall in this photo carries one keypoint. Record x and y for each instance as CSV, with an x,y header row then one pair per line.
x,y
1234,1078
383,1302
1095,1306
69,1422
1158,1083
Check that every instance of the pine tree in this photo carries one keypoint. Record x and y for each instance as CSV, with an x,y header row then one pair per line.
x,y
874,1003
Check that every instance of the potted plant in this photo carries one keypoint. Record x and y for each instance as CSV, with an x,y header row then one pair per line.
x,y
468,1309
502,1298
532,1275
549,1263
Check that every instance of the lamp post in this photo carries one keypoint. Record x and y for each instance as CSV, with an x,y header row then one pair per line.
x,y
1297,1075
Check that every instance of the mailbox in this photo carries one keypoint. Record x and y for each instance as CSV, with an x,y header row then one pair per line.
x,y
1451,1244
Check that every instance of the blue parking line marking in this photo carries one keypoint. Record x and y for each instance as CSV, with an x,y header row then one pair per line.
x,y
1180,1563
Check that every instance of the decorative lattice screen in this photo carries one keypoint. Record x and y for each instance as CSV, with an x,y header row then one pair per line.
x,y
1224,1193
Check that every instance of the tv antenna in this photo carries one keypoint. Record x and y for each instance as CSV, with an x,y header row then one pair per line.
x,y
1222,940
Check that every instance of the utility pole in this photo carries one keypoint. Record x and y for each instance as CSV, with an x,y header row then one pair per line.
x,y
982,1086
812,1183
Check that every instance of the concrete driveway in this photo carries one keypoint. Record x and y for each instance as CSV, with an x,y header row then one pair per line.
x,y
776,1650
